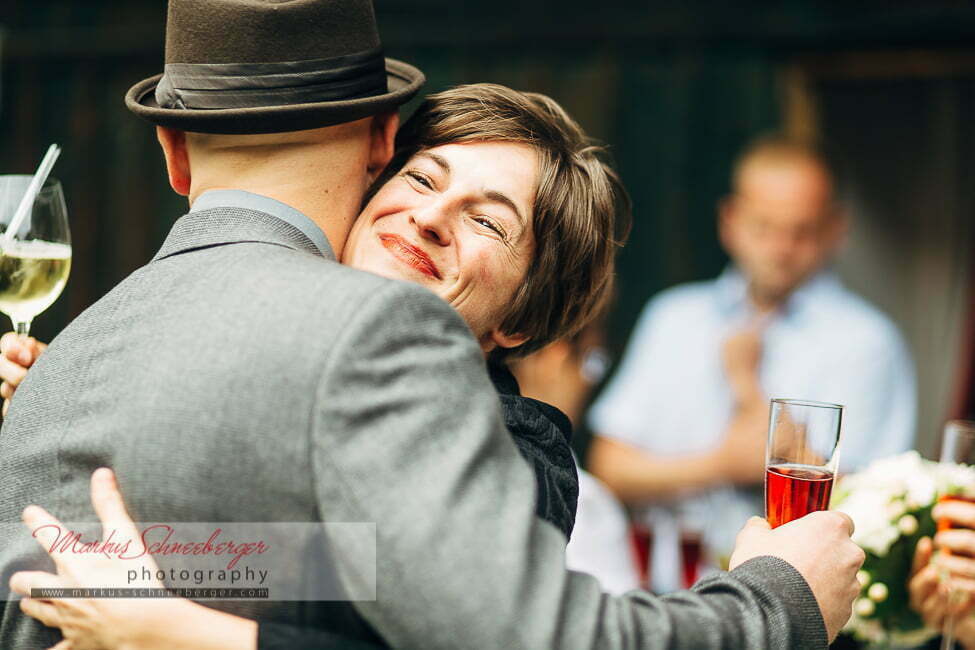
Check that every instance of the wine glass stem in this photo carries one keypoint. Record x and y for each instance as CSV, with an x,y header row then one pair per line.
x,y
948,627
948,633
22,327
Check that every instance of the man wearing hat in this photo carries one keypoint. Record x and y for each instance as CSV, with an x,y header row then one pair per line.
x,y
274,117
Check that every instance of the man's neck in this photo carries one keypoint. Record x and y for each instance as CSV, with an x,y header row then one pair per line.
x,y
765,302
322,174
332,207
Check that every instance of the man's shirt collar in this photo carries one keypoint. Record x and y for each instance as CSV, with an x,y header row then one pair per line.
x,y
250,201
731,290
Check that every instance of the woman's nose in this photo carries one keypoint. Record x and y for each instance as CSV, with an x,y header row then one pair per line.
x,y
433,224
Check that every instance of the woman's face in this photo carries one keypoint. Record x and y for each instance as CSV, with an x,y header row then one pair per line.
x,y
458,220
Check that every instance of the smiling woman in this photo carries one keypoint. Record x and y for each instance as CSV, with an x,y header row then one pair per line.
x,y
498,202
454,220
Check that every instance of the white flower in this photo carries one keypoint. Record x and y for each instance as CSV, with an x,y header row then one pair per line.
x,y
868,509
907,524
921,487
877,592
884,539
864,607
895,509
863,577
870,630
951,478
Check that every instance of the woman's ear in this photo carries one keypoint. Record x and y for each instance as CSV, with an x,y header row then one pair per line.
x,y
173,143
502,340
382,143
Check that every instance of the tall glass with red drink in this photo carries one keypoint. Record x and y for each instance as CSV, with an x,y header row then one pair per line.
x,y
801,458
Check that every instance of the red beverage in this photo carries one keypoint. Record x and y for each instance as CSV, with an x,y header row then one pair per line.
x,y
690,555
642,542
793,491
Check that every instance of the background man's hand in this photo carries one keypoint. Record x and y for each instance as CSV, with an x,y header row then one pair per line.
x,y
819,547
741,354
16,356
742,351
741,456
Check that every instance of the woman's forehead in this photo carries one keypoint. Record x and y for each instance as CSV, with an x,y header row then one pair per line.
x,y
484,154
509,169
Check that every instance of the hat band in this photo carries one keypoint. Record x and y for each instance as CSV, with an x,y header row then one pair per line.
x,y
209,86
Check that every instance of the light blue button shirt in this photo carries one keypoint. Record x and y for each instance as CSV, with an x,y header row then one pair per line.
x,y
670,396
250,201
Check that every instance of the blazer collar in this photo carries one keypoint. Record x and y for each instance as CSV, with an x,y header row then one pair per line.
x,y
233,225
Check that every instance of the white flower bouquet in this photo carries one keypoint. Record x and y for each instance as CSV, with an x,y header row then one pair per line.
x,y
890,502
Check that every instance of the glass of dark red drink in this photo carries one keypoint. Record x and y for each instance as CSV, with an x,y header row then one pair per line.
x,y
801,458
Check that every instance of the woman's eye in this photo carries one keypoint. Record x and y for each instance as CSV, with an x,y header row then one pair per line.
x,y
420,178
490,224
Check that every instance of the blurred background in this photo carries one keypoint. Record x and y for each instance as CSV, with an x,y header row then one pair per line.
x,y
675,89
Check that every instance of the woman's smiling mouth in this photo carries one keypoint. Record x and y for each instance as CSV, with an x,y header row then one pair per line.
x,y
410,254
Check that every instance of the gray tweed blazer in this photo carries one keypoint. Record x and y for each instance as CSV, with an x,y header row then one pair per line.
x,y
242,376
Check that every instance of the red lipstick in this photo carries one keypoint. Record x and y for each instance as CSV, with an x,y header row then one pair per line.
x,y
410,254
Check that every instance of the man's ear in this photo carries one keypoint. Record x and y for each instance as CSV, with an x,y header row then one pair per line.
x,y
382,143
726,209
839,226
173,143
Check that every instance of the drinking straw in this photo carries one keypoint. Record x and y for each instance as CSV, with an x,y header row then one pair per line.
x,y
31,194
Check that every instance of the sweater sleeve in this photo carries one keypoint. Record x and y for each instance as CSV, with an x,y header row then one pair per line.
x,y
279,636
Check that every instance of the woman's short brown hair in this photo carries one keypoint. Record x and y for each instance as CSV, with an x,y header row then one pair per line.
x,y
581,212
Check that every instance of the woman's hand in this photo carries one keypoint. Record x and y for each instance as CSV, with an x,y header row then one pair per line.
x,y
85,622
118,623
17,355
935,598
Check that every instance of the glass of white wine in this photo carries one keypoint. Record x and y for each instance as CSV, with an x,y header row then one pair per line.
x,y
36,259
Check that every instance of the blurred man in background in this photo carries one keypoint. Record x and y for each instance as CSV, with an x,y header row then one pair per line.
x,y
681,428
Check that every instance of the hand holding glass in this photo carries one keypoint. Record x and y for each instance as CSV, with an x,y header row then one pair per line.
x,y
957,447
801,458
36,259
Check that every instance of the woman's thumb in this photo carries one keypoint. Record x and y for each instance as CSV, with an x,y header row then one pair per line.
x,y
922,554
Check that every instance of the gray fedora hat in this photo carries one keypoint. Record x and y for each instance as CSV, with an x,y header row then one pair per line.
x,y
268,66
